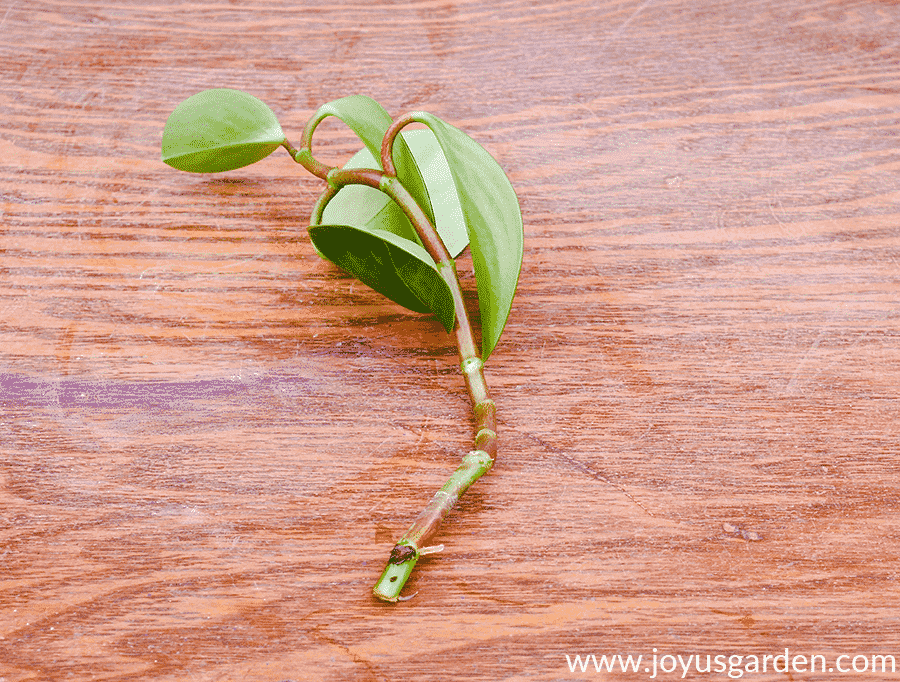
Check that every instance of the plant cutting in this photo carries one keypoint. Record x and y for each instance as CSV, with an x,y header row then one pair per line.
x,y
395,216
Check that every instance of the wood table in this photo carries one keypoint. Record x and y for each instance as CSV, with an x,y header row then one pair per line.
x,y
211,438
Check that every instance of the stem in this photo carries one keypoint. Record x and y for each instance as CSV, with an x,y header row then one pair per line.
x,y
478,461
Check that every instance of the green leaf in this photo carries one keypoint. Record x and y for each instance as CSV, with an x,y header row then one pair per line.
x,y
366,206
219,130
396,267
369,120
493,220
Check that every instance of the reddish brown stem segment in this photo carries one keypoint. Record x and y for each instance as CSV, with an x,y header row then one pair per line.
x,y
479,460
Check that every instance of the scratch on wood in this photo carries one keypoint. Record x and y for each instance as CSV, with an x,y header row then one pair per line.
x,y
593,473
8,10
615,34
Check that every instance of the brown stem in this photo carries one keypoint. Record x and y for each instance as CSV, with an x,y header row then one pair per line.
x,y
479,460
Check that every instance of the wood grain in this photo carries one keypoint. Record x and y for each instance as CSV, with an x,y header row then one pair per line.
x,y
211,438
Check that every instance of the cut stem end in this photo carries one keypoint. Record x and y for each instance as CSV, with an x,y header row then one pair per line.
x,y
399,567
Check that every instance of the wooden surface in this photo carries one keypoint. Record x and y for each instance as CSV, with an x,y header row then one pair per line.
x,y
210,438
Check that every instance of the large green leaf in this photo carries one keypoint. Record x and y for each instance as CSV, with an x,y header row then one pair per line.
x,y
219,130
369,120
396,267
361,205
493,220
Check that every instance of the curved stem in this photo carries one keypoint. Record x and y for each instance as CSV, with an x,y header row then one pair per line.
x,y
479,460
304,156
315,217
387,144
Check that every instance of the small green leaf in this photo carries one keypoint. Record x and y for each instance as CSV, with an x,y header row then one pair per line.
x,y
369,120
493,220
396,267
361,205
219,130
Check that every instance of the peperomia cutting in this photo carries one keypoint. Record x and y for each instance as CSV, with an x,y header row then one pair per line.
x,y
395,216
